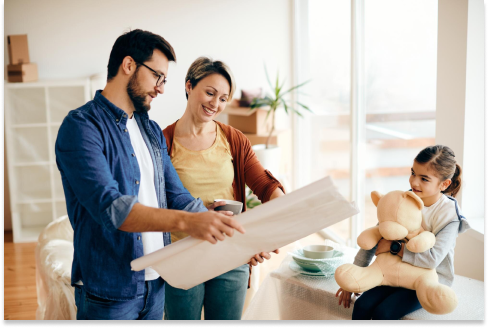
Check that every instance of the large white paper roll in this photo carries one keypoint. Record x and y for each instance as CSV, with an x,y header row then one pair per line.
x,y
191,261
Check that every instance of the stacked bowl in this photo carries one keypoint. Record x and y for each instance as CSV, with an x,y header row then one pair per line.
x,y
317,260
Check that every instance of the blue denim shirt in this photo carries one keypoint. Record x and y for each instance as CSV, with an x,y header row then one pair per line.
x,y
100,176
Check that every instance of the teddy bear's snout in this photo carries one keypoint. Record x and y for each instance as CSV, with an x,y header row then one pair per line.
x,y
392,231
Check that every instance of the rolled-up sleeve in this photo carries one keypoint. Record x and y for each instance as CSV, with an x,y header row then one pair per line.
x,y
364,257
82,163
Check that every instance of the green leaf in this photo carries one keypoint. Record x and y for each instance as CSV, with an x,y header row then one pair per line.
x,y
252,203
295,87
277,86
269,112
305,107
261,102
258,103
297,112
286,107
281,87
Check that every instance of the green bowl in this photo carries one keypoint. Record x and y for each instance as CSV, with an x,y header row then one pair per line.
x,y
307,266
328,265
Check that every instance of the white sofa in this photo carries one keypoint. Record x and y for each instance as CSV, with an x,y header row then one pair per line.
x,y
54,256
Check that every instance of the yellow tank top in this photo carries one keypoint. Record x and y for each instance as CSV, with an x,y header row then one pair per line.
x,y
207,174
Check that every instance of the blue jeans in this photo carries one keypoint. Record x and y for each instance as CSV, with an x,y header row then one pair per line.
x,y
147,307
385,303
222,298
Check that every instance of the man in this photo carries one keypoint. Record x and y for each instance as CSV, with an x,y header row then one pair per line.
x,y
122,190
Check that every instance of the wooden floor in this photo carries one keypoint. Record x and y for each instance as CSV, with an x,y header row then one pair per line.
x,y
20,294
20,275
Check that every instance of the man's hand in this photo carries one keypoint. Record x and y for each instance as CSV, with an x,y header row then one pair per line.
x,y
384,247
210,226
345,297
261,256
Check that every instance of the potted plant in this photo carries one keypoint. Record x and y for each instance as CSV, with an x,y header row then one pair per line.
x,y
251,199
269,155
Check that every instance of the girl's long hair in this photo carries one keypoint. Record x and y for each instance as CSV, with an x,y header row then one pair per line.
x,y
442,160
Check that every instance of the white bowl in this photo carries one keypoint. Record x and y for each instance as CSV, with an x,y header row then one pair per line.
x,y
318,251
230,205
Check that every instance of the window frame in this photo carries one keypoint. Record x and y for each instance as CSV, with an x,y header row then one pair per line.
x,y
301,149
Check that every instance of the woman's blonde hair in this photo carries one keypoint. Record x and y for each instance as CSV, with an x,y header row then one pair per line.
x,y
203,67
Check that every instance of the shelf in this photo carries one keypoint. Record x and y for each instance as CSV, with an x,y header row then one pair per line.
x,y
32,164
30,125
31,182
34,112
243,111
36,125
31,145
62,99
26,106
29,234
40,201
48,83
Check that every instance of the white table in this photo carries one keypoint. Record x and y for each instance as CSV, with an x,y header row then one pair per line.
x,y
288,295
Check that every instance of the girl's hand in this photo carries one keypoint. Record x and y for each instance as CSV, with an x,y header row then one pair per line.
x,y
259,258
384,247
211,207
345,297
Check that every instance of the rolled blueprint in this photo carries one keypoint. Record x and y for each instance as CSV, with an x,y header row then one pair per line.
x,y
277,223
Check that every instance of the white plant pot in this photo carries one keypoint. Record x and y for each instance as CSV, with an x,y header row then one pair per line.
x,y
270,158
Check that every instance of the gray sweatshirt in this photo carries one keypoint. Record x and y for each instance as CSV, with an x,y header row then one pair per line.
x,y
446,221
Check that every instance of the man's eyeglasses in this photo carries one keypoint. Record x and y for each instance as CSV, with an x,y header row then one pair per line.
x,y
161,78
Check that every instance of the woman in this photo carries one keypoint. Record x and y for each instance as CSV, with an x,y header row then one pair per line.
x,y
214,161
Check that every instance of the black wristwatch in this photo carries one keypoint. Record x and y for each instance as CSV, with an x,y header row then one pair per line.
x,y
396,246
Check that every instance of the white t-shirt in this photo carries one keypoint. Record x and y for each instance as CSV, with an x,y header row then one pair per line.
x,y
151,241
437,215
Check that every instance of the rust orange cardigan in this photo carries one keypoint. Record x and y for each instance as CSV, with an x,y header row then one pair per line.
x,y
247,169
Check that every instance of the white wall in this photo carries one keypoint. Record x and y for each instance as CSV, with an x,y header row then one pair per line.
x,y
451,75
69,39
460,95
474,134
460,117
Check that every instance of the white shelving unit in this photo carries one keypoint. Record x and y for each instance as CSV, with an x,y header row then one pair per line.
x,y
33,114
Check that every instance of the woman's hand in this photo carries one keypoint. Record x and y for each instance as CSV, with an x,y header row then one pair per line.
x,y
259,258
345,297
384,247
212,207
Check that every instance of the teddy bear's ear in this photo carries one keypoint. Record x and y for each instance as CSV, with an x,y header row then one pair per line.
x,y
417,200
376,196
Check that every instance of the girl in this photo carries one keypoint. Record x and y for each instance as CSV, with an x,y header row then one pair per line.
x,y
436,179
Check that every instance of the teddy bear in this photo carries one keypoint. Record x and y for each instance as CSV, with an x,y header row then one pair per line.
x,y
400,218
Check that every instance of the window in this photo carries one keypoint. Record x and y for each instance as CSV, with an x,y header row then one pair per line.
x,y
398,60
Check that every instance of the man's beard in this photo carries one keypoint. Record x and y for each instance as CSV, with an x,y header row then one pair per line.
x,y
137,96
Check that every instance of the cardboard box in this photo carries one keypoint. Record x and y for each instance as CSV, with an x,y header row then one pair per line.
x,y
22,72
18,50
249,121
257,139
